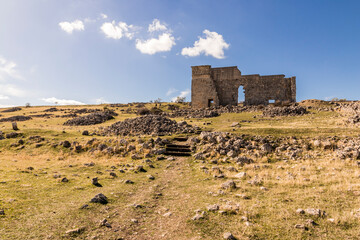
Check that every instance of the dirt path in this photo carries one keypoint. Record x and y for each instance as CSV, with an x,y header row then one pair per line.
x,y
165,205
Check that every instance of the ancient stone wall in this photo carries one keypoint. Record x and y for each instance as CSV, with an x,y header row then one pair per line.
x,y
219,86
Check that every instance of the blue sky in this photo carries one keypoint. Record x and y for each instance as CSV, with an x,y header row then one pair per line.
x,y
92,51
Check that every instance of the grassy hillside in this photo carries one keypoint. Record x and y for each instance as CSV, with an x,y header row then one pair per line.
x,y
46,188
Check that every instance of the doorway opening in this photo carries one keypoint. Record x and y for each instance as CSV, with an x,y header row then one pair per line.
x,y
241,95
211,103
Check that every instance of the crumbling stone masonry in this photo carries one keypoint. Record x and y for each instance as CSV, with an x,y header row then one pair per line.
x,y
220,86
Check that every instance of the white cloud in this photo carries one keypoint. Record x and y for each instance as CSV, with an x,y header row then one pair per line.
x,y
156,26
182,94
153,45
117,31
103,16
171,91
212,45
61,101
100,100
69,27
3,97
9,73
12,90
8,70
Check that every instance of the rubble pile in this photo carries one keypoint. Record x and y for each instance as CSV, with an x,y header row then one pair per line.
x,y
149,124
14,109
210,112
92,118
284,111
53,109
85,110
15,119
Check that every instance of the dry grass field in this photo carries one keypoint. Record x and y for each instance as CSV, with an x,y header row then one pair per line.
x,y
46,188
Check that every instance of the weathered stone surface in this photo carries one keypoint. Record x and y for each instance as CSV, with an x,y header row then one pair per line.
x,y
99,198
75,231
315,212
149,124
229,185
229,236
219,87
92,118
284,111
15,119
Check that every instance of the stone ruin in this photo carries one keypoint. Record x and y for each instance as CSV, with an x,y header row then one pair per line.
x,y
220,87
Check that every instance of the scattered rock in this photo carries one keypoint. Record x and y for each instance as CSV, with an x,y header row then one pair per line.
x,y
241,175
12,135
243,196
135,205
149,124
213,208
13,109
301,226
229,185
168,214
229,236
92,118
300,211
66,144
91,164
75,231
199,215
112,174
104,223
85,206
315,212
15,119
95,182
310,222
248,224
140,168
284,111
235,124
99,198
64,180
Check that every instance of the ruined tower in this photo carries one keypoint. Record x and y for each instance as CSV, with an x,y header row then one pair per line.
x,y
220,86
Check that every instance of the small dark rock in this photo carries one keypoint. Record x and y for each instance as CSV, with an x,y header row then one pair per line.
x,y
64,180
12,135
140,168
66,144
85,206
99,198
95,182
